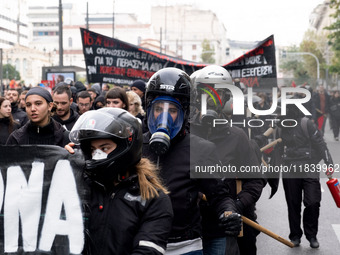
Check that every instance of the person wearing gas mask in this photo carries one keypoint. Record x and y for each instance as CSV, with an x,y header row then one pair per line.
x,y
169,143
130,211
232,144
302,148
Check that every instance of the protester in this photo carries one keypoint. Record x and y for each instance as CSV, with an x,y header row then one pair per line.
x,y
335,114
131,212
302,149
138,87
22,104
99,103
64,114
93,93
322,103
135,104
41,128
7,124
232,144
84,102
79,87
116,97
105,89
170,145
18,115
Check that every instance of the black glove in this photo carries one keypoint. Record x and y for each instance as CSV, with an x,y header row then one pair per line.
x,y
261,140
231,223
239,206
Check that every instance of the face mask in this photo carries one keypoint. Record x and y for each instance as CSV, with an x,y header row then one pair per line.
x,y
98,154
166,125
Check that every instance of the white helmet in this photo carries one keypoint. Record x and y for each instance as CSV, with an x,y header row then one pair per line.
x,y
214,74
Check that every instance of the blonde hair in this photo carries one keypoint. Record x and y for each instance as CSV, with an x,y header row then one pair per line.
x,y
136,100
149,182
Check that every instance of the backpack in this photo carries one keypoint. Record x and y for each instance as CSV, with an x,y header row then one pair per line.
x,y
304,126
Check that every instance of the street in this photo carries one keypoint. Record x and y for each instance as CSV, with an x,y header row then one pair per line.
x,y
273,215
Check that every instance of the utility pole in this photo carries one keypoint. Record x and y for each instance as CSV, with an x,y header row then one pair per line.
x,y
87,15
113,20
61,50
160,40
1,72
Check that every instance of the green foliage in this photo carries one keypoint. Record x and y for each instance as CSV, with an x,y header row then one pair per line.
x,y
334,36
309,62
292,63
207,52
9,72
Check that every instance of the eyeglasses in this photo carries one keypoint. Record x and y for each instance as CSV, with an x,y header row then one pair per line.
x,y
84,105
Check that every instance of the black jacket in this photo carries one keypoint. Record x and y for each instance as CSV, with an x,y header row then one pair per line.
x,y
233,148
69,123
302,146
52,134
184,152
335,108
19,115
4,131
122,223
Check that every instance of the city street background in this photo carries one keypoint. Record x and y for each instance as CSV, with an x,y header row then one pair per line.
x,y
273,215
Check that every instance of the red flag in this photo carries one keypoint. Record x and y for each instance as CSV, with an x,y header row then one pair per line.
x,y
320,122
293,84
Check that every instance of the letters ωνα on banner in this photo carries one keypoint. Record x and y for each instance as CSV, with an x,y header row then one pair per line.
x,y
109,60
42,199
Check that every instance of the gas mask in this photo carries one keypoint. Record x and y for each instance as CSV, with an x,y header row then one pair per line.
x,y
165,120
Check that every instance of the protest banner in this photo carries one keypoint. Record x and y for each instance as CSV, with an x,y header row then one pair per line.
x,y
109,60
43,200
257,67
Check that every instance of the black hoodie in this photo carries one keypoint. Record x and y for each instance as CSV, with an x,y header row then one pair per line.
x,y
69,123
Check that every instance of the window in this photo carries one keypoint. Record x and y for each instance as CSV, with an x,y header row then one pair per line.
x,y
194,57
70,42
17,65
194,46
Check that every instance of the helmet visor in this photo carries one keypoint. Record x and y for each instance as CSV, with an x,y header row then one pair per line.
x,y
99,124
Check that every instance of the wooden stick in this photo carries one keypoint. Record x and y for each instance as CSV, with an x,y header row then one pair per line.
x,y
267,232
268,132
238,190
273,143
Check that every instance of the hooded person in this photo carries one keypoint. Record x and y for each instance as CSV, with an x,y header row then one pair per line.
x,y
99,102
232,144
138,87
79,86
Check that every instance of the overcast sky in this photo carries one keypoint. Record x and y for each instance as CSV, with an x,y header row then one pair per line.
x,y
249,20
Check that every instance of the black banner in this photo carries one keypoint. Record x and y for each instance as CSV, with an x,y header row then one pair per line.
x,y
109,60
256,68
43,198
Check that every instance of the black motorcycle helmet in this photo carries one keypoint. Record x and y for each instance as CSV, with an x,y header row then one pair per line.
x,y
112,123
172,82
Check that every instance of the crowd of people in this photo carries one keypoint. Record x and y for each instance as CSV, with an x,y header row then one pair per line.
x,y
139,146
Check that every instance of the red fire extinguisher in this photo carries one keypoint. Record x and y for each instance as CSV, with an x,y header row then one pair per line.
x,y
334,187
